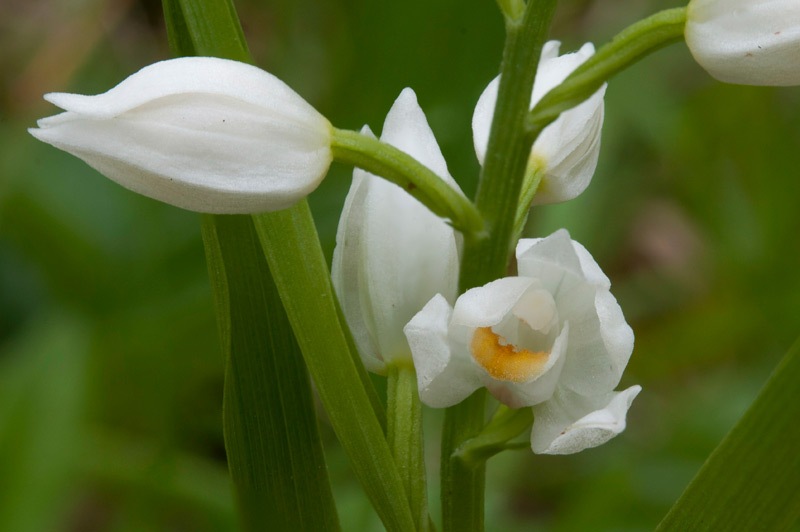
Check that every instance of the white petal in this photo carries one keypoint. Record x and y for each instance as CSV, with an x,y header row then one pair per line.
x,y
487,305
407,128
482,118
396,253
591,270
445,376
206,151
752,42
189,75
554,68
569,423
346,269
552,260
601,342
570,146
600,345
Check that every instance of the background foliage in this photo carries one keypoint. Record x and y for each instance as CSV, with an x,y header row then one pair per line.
x,y
110,370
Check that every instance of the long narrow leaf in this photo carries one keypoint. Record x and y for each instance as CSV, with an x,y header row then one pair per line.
x,y
271,434
292,249
302,277
752,480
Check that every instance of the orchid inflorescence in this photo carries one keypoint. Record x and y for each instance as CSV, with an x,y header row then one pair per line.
x,y
219,136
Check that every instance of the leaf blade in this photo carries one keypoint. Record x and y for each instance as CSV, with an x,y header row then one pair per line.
x,y
293,251
752,479
271,434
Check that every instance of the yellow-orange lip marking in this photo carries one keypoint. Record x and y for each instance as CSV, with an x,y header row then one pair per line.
x,y
505,362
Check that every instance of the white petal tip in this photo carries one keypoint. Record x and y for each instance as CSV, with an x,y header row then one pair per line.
x,y
595,428
64,100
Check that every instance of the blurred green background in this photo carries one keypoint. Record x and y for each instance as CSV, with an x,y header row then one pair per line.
x,y
110,370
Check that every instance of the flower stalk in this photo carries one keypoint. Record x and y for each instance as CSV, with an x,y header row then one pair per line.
x,y
626,48
419,181
485,259
404,434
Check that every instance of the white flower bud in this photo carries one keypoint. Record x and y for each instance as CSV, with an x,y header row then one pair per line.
x,y
392,254
567,150
749,42
201,133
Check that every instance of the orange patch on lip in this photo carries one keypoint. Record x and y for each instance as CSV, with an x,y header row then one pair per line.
x,y
505,362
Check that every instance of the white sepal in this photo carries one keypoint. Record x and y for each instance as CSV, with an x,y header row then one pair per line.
x,y
569,423
749,42
567,149
201,133
445,377
392,254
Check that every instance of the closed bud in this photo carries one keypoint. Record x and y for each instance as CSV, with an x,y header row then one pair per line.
x,y
201,133
749,42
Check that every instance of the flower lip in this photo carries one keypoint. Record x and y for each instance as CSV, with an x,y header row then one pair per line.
x,y
518,348
503,360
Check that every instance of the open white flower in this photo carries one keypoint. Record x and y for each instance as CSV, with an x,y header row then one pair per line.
x,y
568,149
553,338
201,133
392,254
750,42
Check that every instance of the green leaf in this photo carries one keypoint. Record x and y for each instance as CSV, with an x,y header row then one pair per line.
x,y
295,258
752,480
290,243
271,434
206,28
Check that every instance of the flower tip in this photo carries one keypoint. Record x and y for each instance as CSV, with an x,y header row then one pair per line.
x,y
64,100
408,94
51,96
587,49
593,429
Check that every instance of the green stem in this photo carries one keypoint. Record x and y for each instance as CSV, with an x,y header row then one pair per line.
x,y
404,434
485,259
509,148
462,484
629,46
415,178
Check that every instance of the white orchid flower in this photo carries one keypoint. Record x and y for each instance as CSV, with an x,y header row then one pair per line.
x,y
750,42
568,149
201,133
392,254
553,338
